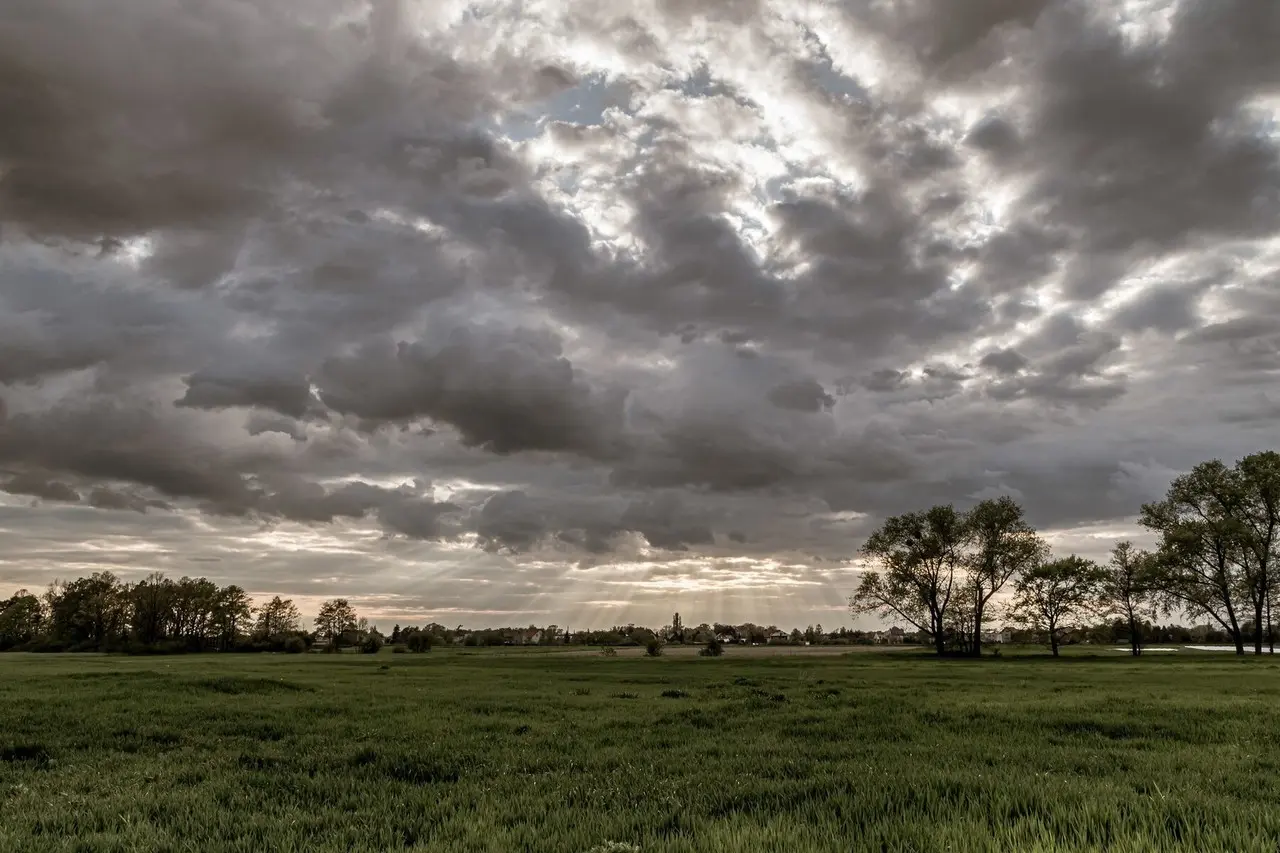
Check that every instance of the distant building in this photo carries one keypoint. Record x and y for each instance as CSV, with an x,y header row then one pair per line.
x,y
1003,636
893,637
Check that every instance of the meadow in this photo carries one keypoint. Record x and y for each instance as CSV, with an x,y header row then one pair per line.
x,y
457,751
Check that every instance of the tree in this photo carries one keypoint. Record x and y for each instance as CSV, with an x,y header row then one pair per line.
x,y
150,602
677,629
1003,547
919,555
1128,583
1053,596
336,618
1257,480
1202,565
21,620
232,609
278,616
88,612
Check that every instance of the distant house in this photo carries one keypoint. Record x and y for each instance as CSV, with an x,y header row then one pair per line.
x,y
1003,636
778,637
893,637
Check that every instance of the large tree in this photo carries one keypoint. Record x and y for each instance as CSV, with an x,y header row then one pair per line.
x,y
88,612
1127,589
1257,481
1003,546
336,617
1204,568
232,609
278,616
21,619
1056,595
151,608
919,557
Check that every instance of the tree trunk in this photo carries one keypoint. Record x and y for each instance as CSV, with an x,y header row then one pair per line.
x,y
1053,642
1233,626
1257,624
1135,642
976,651
1271,640
939,643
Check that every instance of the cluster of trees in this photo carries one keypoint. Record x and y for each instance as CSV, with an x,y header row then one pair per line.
x,y
158,614
1219,539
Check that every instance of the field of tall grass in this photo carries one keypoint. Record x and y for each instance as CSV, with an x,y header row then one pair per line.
x,y
482,752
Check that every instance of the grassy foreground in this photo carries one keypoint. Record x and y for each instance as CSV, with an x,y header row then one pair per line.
x,y
450,751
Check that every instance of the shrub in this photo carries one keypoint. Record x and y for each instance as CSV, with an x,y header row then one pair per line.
x,y
419,642
372,645
398,650
713,649
609,652
294,645
653,648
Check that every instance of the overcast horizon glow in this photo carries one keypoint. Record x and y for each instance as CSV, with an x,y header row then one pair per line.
x,y
584,313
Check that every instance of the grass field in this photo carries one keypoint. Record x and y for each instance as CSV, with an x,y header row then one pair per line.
x,y
490,752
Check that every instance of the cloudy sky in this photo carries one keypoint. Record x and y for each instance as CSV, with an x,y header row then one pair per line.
x,y
585,311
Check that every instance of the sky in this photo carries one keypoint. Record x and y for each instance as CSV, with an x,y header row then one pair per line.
x,y
585,312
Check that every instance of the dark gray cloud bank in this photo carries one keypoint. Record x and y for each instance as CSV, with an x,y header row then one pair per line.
x,y
587,311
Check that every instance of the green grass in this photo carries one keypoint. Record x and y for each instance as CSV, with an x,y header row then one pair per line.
x,y
558,752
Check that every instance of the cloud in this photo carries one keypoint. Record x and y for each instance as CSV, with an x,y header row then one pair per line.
x,y
457,303
40,487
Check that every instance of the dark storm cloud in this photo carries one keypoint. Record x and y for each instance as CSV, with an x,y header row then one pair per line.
x,y
127,442
41,487
288,395
102,497
803,395
413,272
505,392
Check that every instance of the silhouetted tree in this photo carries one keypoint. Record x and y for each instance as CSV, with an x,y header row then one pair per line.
x,y
1201,565
335,619
21,620
1003,546
1126,590
1257,481
276,618
1055,595
919,558
232,610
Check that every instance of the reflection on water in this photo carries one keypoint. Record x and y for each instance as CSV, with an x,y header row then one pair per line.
x,y
1145,649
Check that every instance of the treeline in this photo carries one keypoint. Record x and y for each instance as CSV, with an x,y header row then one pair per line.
x,y
941,570
160,615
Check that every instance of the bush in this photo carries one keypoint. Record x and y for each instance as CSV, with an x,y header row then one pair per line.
x,y
609,652
419,642
372,645
713,649
653,648
294,645
398,650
